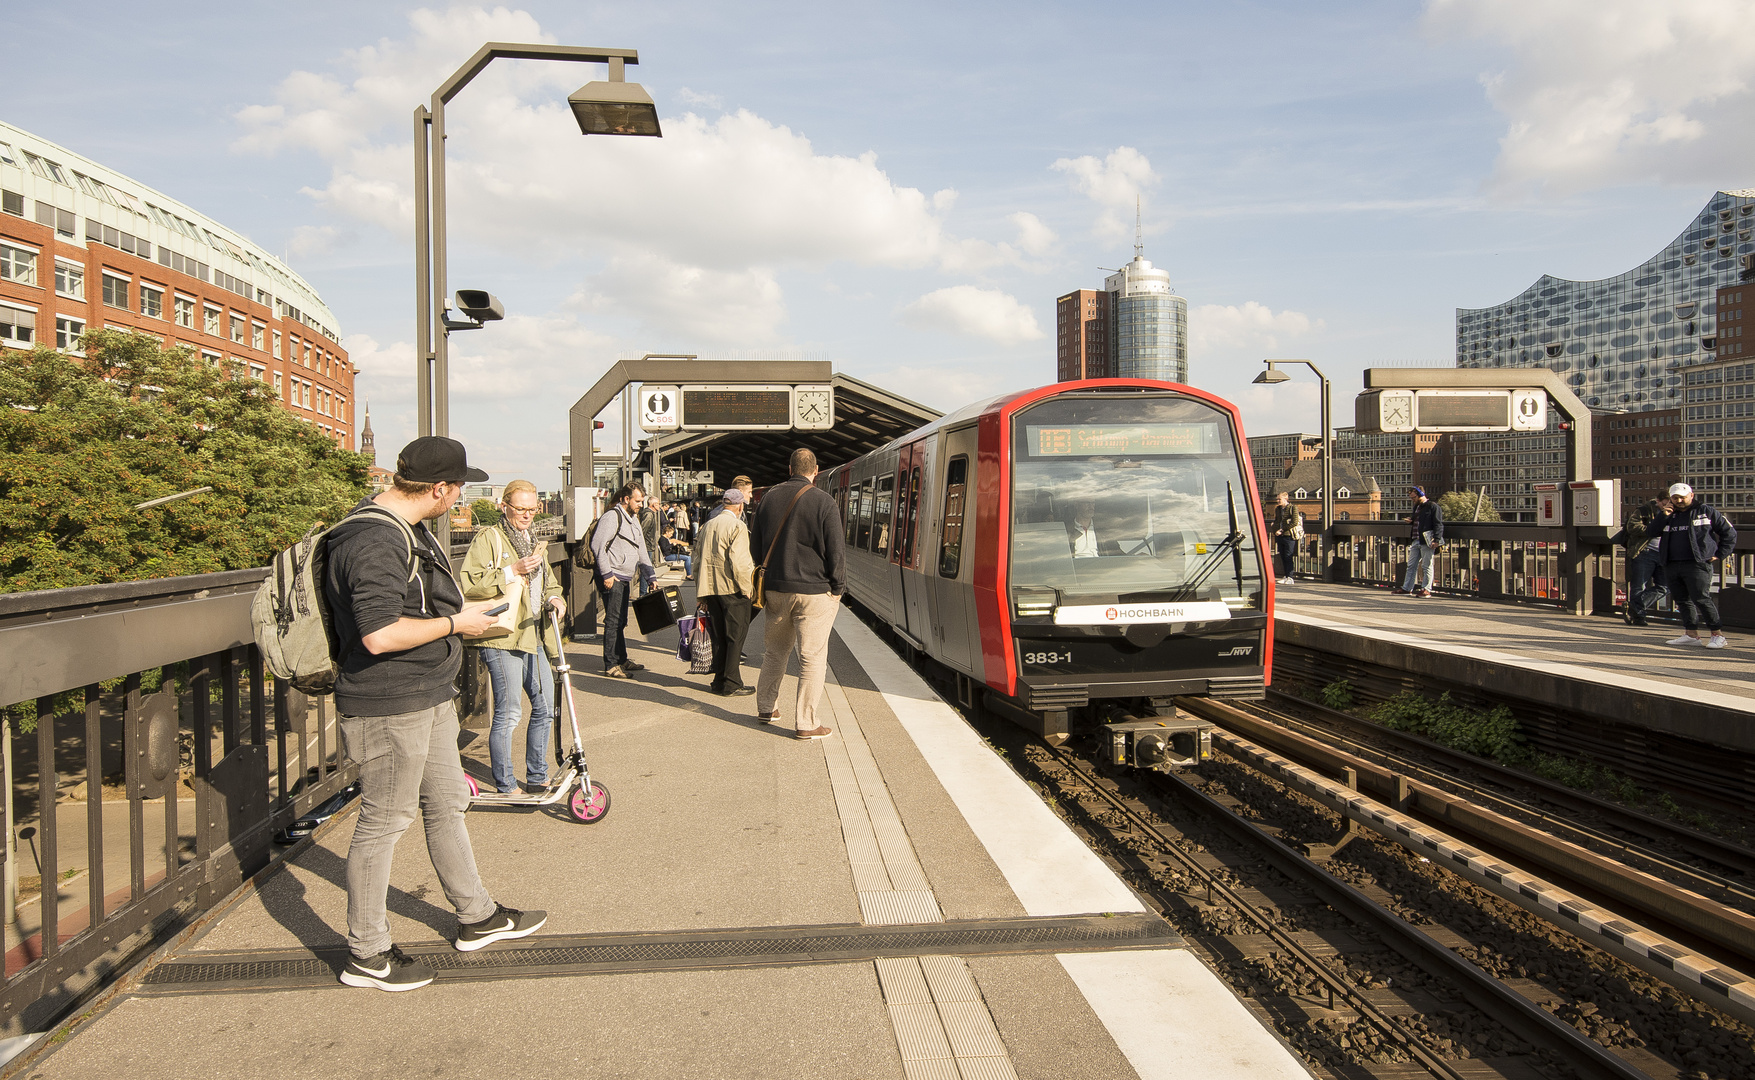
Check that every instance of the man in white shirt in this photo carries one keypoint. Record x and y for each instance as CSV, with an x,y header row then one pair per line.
x,y
1083,530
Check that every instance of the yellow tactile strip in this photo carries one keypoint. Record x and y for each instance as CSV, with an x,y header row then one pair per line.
x,y
943,1028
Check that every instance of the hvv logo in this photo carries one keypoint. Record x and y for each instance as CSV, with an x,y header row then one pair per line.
x,y
1241,650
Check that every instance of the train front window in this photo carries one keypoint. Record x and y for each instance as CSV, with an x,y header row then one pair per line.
x,y
1130,498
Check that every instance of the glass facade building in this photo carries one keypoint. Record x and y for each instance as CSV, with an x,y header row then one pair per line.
x,y
1621,343
1150,323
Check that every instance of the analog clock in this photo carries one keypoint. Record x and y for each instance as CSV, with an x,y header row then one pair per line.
x,y
814,408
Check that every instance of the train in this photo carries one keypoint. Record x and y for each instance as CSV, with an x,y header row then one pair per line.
x,y
1073,558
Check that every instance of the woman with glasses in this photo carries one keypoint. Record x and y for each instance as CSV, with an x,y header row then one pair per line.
x,y
505,562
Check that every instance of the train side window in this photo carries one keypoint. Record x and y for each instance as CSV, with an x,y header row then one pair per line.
x,y
911,517
950,551
863,540
883,514
850,510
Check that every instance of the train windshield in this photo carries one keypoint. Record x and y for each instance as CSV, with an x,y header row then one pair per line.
x,y
1131,499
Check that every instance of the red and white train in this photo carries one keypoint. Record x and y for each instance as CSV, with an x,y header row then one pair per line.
x,y
1075,556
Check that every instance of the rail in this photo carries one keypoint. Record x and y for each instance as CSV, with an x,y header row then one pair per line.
x,y
143,709
1516,563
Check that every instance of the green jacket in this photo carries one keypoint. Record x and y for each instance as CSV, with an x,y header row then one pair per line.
x,y
484,577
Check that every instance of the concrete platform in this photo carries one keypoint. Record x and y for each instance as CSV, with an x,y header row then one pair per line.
x,y
890,902
1595,665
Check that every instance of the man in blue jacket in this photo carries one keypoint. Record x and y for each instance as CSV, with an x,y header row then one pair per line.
x,y
1426,533
1694,534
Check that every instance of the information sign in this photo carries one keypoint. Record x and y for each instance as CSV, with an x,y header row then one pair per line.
x,y
736,408
1123,440
658,408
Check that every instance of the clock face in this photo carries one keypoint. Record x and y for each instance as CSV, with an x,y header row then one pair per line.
x,y
815,408
1396,412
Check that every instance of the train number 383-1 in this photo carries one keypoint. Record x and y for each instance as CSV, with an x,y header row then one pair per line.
x,y
1048,657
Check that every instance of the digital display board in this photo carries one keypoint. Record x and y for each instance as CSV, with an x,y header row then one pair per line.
x,y
1486,410
1121,440
730,407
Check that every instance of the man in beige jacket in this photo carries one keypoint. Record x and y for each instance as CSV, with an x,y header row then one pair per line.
x,y
725,581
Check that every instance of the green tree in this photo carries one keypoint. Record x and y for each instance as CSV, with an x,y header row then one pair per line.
x,y
83,440
483,512
1460,506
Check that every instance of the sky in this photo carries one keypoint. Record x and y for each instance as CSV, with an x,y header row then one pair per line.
x,y
904,189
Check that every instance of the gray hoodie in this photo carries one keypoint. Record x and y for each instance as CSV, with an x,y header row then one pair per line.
x,y
619,546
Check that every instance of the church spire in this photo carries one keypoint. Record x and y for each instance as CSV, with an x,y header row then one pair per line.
x,y
367,446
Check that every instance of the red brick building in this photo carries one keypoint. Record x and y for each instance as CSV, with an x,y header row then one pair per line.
x,y
1643,450
1081,340
83,247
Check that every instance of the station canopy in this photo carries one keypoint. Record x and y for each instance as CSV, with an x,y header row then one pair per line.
x,y
866,417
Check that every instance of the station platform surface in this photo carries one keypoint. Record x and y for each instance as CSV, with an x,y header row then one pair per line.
x,y
890,902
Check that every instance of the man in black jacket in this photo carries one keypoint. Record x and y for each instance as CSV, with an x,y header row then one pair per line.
x,y
1694,534
1426,533
796,534
397,613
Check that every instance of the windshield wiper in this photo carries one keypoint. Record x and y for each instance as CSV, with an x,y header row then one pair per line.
x,y
1233,542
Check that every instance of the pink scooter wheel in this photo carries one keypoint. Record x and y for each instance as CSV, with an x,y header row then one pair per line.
x,y
474,788
590,807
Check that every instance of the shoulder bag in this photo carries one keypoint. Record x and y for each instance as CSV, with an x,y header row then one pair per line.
x,y
759,596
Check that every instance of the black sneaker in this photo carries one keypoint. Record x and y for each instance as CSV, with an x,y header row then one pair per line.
x,y
503,925
391,970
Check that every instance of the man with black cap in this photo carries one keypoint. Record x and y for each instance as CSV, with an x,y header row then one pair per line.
x,y
397,613
1426,533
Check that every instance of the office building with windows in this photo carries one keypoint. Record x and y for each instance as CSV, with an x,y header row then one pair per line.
x,y
1397,461
1718,435
1642,450
1135,328
1270,456
84,247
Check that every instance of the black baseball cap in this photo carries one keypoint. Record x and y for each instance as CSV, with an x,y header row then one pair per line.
x,y
434,459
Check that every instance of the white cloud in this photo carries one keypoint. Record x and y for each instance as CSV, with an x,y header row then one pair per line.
x,y
1606,92
983,313
316,239
1233,328
1034,238
705,101
954,384
1113,183
728,307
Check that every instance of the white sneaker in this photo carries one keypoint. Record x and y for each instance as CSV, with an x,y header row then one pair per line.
x,y
1683,640
1716,641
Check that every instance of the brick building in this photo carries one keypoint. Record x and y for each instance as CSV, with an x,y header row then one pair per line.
x,y
84,247
1718,435
1081,340
1271,455
1642,450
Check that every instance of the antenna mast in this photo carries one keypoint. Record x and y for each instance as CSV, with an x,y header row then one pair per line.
x,y
1139,244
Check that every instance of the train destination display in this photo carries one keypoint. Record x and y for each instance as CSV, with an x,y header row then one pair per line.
x,y
734,407
1122,439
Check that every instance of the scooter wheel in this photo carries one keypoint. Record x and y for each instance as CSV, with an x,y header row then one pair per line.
x,y
590,806
474,788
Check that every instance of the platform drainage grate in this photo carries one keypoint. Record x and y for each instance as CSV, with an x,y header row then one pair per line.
x,y
602,953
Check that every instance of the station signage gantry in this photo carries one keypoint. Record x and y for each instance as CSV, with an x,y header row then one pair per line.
x,y
1451,410
737,407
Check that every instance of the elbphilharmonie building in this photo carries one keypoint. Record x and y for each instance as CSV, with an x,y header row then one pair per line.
x,y
1621,343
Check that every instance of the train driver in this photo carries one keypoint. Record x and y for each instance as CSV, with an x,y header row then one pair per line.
x,y
1081,531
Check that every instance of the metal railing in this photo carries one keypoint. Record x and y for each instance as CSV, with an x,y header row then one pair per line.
x,y
139,711
1515,563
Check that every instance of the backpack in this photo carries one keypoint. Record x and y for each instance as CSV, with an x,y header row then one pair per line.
x,y
291,611
1298,525
583,557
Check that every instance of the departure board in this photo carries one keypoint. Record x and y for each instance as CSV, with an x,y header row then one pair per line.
x,y
1121,440
723,407
1490,410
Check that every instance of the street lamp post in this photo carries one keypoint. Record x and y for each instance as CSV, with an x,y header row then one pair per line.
x,y
615,107
1326,541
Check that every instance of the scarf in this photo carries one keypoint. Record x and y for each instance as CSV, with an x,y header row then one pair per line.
x,y
522,547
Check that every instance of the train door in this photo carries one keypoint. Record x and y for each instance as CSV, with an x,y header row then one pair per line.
x,y
912,608
947,570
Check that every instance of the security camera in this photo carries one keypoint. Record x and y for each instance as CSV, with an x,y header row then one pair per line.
x,y
480,305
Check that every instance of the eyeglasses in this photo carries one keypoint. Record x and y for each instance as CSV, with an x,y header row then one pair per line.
x,y
522,509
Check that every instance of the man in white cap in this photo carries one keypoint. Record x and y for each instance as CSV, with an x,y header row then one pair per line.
x,y
1694,534
725,581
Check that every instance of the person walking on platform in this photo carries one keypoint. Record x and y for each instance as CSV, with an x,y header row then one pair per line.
x,y
618,545
651,528
1426,533
506,565
1643,565
726,581
797,529
396,612
1286,531
1694,534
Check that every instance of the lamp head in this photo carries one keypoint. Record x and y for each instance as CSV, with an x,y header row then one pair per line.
x,y
614,108
1272,375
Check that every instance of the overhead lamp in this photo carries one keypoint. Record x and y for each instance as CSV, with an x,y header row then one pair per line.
x,y
1272,375
615,107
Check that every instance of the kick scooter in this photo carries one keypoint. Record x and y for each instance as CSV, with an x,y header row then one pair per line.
x,y
589,801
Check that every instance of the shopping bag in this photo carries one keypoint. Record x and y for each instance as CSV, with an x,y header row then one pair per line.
x,y
700,648
684,626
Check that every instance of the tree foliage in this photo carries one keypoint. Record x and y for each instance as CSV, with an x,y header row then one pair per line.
x,y
483,512
1459,506
83,440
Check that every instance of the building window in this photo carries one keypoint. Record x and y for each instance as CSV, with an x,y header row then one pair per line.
x,y
115,291
67,333
258,372
211,358
256,331
279,386
12,202
18,326
277,344
210,320
238,328
185,311
152,301
18,265
70,279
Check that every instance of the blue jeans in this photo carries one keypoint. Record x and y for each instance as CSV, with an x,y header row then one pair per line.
x,y
1642,593
1419,567
615,620
508,669
408,766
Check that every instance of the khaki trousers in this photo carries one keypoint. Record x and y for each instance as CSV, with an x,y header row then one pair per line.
x,y
805,619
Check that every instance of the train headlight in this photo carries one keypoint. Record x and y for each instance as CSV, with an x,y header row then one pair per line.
x,y
1034,603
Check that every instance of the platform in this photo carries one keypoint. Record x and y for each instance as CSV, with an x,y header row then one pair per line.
x,y
892,902
1596,665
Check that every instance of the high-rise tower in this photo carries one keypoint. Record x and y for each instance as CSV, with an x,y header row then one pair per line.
x,y
1143,327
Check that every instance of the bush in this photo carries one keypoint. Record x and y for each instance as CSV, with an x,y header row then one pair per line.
x,y
1338,695
1492,734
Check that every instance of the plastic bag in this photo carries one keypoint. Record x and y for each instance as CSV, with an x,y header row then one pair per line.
x,y
700,648
684,627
